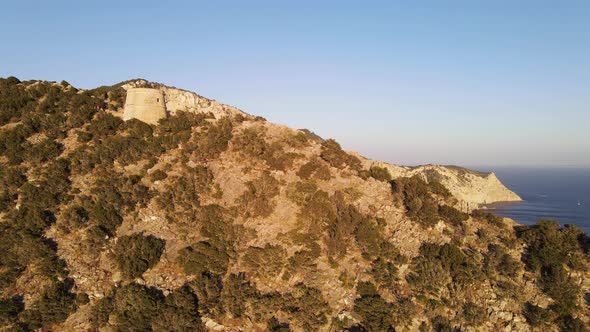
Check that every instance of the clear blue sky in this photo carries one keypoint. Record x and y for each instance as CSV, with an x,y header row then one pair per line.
x,y
412,82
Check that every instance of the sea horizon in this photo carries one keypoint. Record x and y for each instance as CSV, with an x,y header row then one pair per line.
x,y
556,193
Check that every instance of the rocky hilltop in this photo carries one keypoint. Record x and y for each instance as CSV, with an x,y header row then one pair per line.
x,y
472,188
214,219
173,100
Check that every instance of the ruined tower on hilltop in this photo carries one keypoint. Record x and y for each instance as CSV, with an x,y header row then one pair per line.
x,y
150,102
145,104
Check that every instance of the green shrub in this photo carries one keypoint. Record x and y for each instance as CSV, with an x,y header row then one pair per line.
x,y
178,127
548,245
9,310
54,306
139,308
474,315
212,140
179,312
368,236
134,254
135,307
316,169
274,325
236,293
219,227
497,260
452,215
562,288
13,99
158,175
32,218
380,173
439,189
257,200
265,262
569,323
302,261
114,95
307,306
436,263
100,311
181,196
384,273
488,217
340,230
203,257
319,210
104,125
442,324
13,143
251,142
428,276
44,151
535,315
336,157
73,218
105,216
11,178
374,311
208,287
301,192
416,197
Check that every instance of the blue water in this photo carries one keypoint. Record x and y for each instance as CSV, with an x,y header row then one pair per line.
x,y
559,194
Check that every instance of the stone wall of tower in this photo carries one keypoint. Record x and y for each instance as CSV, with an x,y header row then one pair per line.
x,y
145,104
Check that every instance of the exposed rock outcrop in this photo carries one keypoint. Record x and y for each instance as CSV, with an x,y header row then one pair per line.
x,y
144,103
471,188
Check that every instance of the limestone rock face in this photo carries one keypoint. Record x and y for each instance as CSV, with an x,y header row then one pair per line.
x,y
145,101
470,187
181,100
144,104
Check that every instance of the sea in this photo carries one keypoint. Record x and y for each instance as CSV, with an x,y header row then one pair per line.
x,y
560,194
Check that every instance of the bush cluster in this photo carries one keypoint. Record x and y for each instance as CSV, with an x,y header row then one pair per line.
x,y
251,142
336,157
438,265
257,200
380,173
550,249
375,312
315,169
139,308
452,215
417,198
488,217
135,254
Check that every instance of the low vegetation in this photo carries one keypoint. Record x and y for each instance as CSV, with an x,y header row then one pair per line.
x,y
336,157
416,196
137,253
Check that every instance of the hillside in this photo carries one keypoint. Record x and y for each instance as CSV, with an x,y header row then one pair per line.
x,y
214,219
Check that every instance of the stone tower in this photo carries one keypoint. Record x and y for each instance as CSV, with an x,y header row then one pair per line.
x,y
145,104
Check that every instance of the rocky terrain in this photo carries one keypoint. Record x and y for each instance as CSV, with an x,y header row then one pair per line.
x,y
218,220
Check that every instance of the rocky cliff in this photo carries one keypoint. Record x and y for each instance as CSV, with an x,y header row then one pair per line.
x,y
472,188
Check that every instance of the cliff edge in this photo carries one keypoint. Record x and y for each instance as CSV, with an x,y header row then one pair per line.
x,y
472,188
